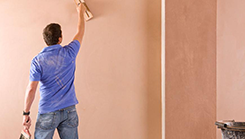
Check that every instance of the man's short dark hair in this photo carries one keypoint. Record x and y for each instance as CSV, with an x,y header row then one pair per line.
x,y
52,33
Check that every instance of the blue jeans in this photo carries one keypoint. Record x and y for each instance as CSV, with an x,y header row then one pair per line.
x,y
65,120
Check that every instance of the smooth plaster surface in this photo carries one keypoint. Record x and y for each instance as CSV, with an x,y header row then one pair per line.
x,y
190,69
118,75
230,61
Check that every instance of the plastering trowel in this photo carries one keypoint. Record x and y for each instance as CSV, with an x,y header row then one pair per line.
x,y
25,134
88,15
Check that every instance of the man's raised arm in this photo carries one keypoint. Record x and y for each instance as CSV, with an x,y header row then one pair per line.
x,y
81,23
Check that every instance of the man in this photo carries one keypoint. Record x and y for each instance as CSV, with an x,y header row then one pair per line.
x,y
54,68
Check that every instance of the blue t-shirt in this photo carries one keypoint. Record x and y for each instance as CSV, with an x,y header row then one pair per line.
x,y
54,67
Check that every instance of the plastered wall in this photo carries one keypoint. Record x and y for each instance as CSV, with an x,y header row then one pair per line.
x,y
190,69
230,61
118,67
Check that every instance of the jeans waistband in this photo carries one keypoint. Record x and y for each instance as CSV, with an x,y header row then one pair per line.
x,y
70,107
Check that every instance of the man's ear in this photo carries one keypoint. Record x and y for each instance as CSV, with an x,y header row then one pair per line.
x,y
60,40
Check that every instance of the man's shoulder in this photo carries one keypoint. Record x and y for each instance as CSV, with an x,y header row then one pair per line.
x,y
37,57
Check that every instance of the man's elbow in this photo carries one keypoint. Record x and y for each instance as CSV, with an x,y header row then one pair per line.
x,y
32,87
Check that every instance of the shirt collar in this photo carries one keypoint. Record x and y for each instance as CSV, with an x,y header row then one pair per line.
x,y
51,47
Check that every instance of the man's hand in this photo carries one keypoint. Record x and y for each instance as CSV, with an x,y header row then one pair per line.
x,y
81,8
26,122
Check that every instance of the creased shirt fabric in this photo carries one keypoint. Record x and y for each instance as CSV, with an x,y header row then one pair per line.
x,y
55,67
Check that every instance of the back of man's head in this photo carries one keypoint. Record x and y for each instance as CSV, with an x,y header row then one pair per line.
x,y
52,33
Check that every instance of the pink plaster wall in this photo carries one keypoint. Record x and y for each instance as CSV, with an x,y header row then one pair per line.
x,y
230,61
118,73
190,69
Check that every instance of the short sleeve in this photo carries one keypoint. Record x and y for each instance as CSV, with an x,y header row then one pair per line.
x,y
35,72
73,48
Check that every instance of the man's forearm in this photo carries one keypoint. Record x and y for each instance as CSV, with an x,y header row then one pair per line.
x,y
81,24
30,95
